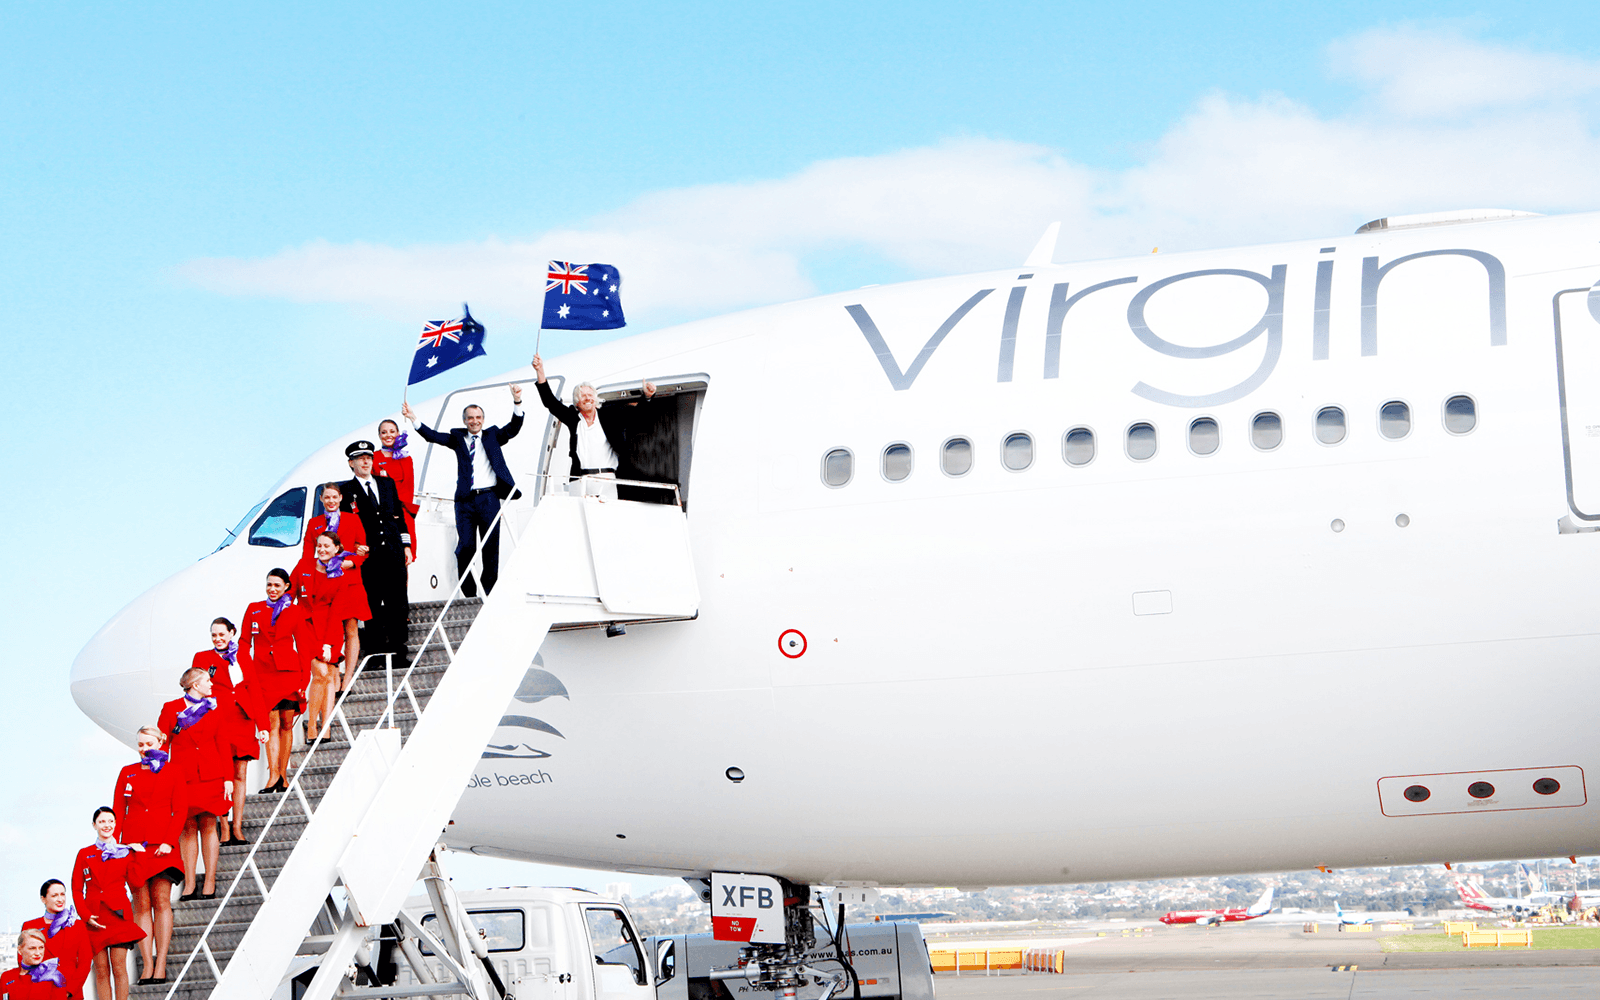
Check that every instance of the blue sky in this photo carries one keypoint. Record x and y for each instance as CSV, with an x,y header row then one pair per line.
x,y
223,225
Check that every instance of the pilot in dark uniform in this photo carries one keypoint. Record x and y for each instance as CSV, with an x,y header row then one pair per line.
x,y
376,501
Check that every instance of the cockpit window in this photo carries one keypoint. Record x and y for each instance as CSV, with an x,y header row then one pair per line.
x,y
278,527
238,529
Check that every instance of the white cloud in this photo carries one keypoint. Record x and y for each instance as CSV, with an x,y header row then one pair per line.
x,y
1445,122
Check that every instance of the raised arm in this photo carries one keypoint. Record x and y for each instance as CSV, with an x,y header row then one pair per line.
x,y
428,433
513,425
563,412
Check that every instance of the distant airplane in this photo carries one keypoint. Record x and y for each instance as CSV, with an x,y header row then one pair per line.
x,y
1349,921
1538,895
1474,897
1260,908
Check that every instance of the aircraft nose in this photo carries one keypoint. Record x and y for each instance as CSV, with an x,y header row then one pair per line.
x,y
111,676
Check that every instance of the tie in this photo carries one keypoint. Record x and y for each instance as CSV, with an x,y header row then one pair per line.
x,y
472,447
370,495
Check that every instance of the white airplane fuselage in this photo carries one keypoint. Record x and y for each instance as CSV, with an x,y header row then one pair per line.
x,y
1038,675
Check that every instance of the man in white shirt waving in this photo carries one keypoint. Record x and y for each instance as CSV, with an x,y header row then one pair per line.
x,y
483,480
597,441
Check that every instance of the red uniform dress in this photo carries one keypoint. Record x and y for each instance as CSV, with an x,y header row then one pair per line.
x,y
279,672
100,890
352,534
70,948
241,714
150,808
16,984
399,470
202,761
327,603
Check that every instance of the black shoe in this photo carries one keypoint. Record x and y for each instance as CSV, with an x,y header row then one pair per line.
x,y
144,982
207,895
159,981
188,897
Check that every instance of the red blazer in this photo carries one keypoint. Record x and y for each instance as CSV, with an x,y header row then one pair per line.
x,y
327,604
242,695
100,888
70,949
352,533
150,807
17,985
198,750
270,645
97,883
399,470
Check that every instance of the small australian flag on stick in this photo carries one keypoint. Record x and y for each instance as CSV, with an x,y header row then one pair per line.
x,y
582,297
446,343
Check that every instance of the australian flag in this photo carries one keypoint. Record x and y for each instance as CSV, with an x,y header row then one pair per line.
x,y
582,297
446,343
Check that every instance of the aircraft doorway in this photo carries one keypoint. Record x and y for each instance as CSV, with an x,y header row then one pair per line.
x,y
660,445
1578,384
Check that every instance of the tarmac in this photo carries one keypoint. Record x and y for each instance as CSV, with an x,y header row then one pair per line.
x,y
1272,961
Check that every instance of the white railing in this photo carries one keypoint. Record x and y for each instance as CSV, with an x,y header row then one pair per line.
x,y
296,794
387,717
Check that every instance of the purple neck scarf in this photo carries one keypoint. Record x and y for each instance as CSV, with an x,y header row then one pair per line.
x,y
155,760
45,972
195,712
232,652
399,449
60,921
278,606
335,566
332,519
110,849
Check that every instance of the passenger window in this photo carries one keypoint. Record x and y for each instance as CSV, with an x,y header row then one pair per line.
x,y
278,527
1141,441
1266,431
896,462
1460,414
1018,452
1394,420
502,930
1330,425
838,466
613,941
1204,436
955,458
1077,447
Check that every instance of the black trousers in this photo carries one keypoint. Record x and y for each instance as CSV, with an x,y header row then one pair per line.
x,y
383,576
474,513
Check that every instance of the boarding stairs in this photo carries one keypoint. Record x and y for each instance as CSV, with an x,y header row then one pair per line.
x,y
333,860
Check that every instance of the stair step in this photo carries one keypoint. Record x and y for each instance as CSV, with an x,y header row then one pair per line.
x,y
362,707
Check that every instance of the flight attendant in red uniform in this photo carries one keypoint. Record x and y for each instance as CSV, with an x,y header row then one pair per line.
x,y
193,726
35,977
353,539
149,800
100,888
66,937
241,719
392,462
279,671
331,600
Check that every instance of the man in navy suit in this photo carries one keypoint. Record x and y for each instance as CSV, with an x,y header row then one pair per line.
x,y
482,481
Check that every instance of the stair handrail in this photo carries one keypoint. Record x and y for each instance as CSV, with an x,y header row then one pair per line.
x,y
202,944
393,690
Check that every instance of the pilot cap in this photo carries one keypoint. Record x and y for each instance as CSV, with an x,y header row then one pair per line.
x,y
358,448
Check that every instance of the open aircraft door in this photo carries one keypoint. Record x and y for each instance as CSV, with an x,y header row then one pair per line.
x,y
1577,332
619,552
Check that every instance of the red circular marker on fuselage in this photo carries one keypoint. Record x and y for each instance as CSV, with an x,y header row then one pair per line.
x,y
792,643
